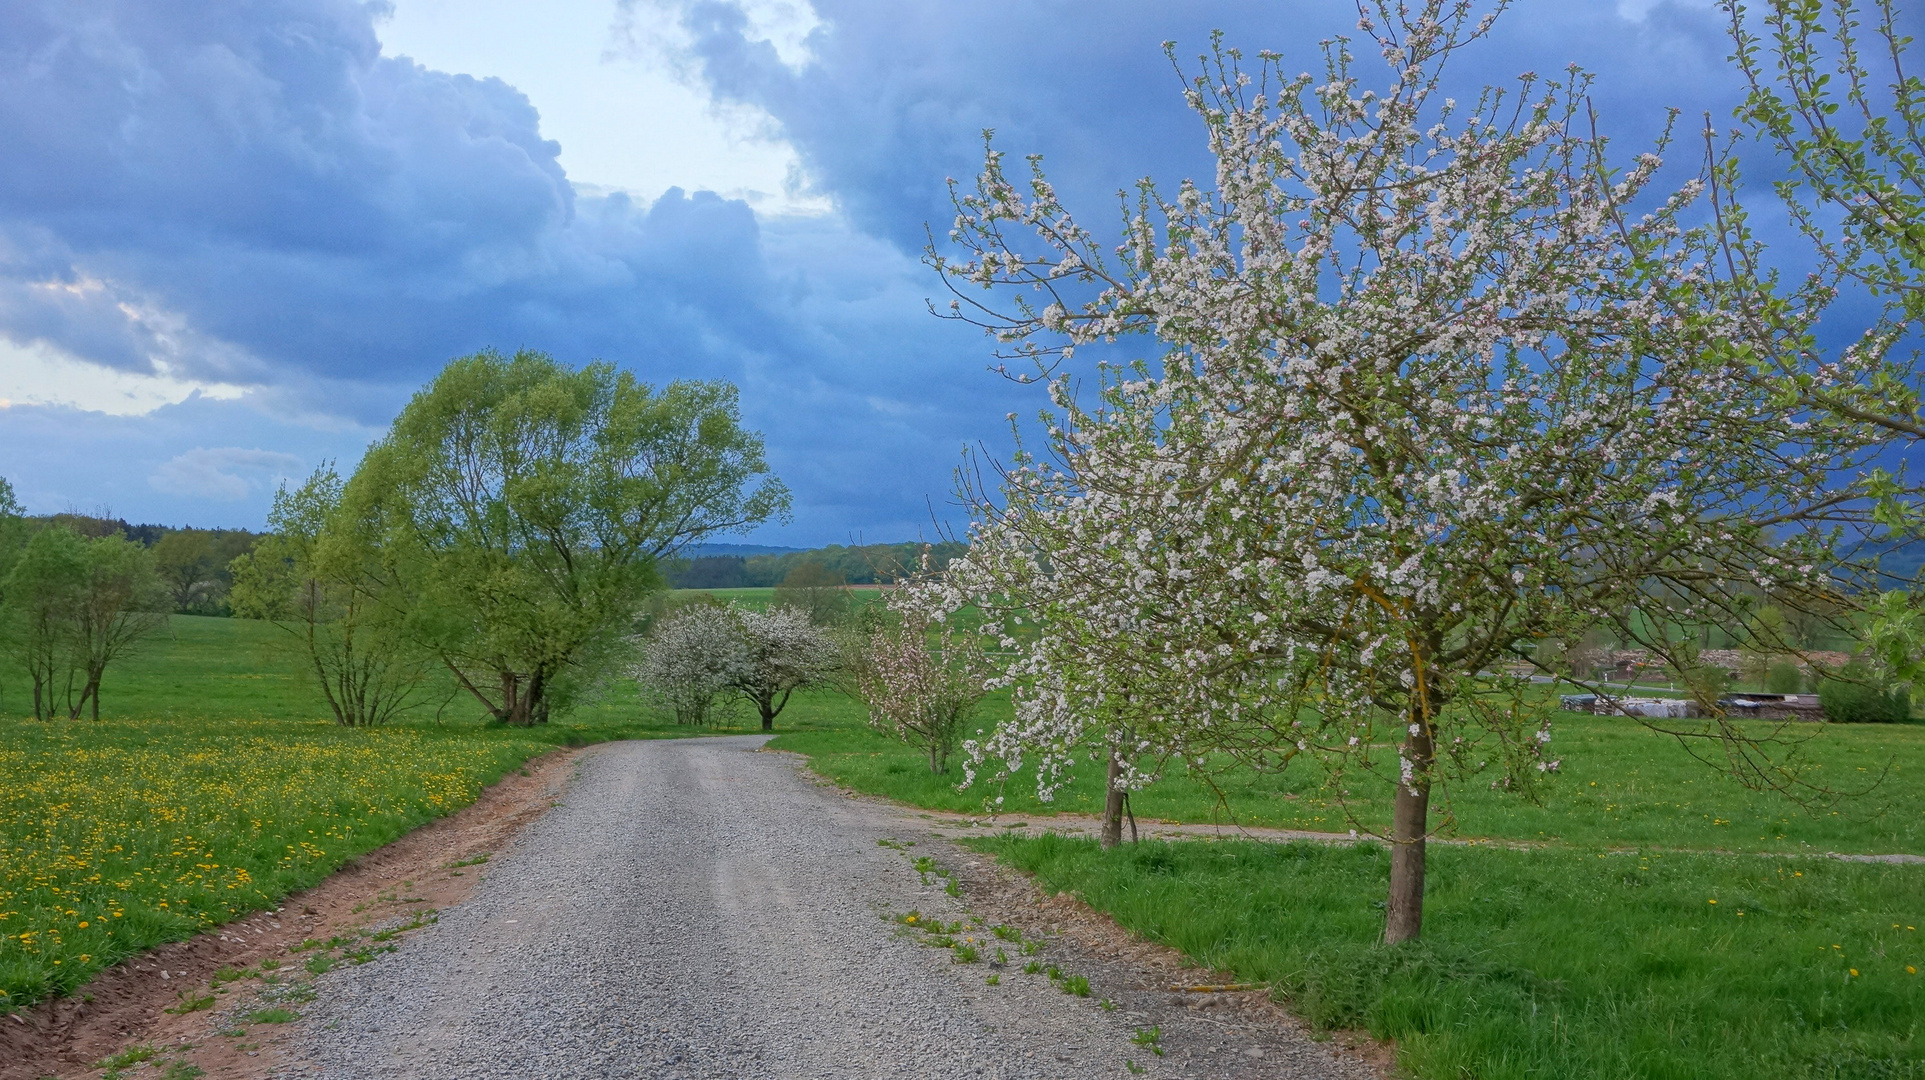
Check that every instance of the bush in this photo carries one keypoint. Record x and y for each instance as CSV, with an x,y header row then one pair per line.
x,y
1784,678
1851,700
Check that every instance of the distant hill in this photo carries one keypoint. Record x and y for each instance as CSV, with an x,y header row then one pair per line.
x,y
743,551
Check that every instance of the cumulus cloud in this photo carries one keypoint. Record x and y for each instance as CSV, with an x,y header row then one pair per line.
x,y
225,473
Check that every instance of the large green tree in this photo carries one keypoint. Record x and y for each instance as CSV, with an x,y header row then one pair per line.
x,y
521,507
41,588
73,606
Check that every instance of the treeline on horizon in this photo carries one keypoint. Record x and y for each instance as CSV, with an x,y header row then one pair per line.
x,y
861,564
196,564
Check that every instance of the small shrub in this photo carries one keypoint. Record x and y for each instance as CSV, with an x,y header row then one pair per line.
x,y
133,1055
1851,700
1784,678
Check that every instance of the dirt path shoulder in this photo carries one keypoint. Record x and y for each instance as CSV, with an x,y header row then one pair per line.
x,y
178,1003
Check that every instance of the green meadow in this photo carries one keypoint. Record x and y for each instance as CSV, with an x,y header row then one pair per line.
x,y
1648,918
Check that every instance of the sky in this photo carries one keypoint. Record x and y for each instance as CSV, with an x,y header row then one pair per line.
x,y
237,235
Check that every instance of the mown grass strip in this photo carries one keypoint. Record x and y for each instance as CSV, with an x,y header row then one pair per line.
x,y
1548,963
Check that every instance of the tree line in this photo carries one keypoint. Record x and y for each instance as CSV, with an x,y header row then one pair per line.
x,y
860,564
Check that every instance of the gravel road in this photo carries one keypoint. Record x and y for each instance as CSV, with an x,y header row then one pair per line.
x,y
698,909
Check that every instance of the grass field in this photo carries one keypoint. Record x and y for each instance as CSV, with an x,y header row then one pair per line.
x,y
215,785
1547,964
1619,944
1622,786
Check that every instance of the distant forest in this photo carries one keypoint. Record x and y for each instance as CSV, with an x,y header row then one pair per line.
x,y
194,562
866,564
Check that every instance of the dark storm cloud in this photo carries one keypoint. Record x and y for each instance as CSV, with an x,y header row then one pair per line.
x,y
250,192
899,92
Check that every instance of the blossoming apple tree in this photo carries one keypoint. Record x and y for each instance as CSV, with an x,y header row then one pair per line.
x,y
1436,381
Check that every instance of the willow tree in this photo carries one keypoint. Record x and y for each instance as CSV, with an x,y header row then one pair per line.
x,y
521,509
1436,381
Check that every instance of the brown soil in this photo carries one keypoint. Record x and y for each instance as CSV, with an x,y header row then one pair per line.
x,y
125,1005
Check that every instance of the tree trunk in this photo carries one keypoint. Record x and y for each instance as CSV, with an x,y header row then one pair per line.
x,y
1410,821
1113,803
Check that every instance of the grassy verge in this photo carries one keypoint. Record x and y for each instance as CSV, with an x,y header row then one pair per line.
x,y
1549,963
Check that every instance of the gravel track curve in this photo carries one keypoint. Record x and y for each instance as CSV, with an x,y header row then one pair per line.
x,y
695,909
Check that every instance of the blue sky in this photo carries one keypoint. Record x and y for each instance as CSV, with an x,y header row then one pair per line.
x,y
235,236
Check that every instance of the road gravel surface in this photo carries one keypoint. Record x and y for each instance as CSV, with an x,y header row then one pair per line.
x,y
700,908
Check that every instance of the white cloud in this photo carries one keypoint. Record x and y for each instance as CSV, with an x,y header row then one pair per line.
x,y
226,473
38,373
604,77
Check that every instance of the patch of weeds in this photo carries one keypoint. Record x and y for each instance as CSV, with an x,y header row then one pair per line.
x,y
133,1055
1150,1038
320,964
227,975
894,844
182,1070
953,888
1002,959
942,941
298,993
966,953
304,946
191,1004
476,861
1007,933
1032,968
272,1015
420,919
1106,1005
925,866
362,956
1133,1067
1076,985
1053,972
994,980
234,1032
1031,948
270,965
